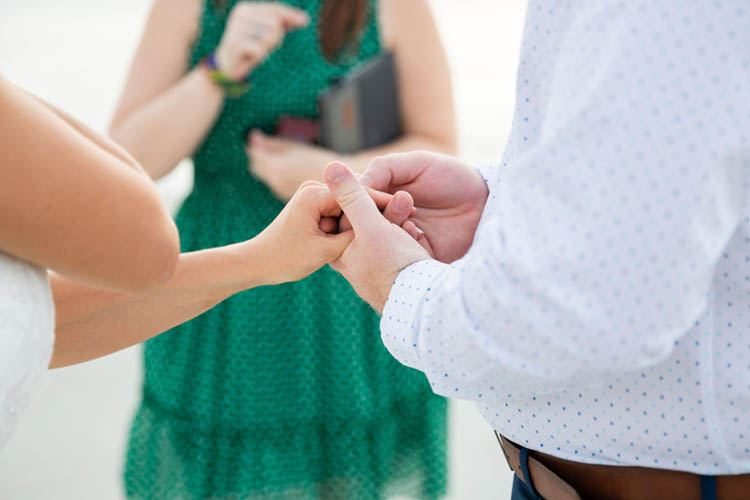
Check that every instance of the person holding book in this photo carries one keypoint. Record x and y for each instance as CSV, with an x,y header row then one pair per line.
x,y
278,392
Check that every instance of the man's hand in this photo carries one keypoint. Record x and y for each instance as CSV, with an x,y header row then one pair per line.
x,y
380,249
449,197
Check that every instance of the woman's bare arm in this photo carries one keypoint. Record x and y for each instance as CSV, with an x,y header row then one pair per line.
x,y
163,113
69,204
424,78
91,323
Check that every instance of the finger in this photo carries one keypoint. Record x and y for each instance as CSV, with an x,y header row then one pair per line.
x,y
399,209
262,141
378,174
271,36
255,138
258,160
326,202
387,172
351,196
344,224
382,199
254,163
265,35
255,23
412,229
329,225
317,200
312,183
291,18
335,244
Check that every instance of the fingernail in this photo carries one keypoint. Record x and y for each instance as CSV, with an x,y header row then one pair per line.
x,y
401,203
335,173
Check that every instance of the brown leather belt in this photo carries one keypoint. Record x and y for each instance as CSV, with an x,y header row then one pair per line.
x,y
558,479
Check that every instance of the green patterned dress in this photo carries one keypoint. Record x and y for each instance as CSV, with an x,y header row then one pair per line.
x,y
281,392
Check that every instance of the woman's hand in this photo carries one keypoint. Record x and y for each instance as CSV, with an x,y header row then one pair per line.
x,y
284,164
252,32
304,236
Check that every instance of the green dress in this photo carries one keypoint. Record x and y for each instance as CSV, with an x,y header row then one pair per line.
x,y
282,392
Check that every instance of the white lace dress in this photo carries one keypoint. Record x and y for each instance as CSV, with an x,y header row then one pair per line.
x,y
27,324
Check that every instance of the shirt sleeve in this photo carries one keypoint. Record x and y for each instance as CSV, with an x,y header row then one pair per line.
x,y
601,234
488,171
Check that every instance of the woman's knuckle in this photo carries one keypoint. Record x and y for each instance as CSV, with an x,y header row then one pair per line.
x,y
307,192
310,189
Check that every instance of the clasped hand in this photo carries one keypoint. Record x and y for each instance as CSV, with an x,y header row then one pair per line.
x,y
404,208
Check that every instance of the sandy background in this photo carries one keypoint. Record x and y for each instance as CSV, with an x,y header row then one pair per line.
x,y
75,53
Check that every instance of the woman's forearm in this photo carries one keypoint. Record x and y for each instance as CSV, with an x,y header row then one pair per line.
x,y
92,323
168,128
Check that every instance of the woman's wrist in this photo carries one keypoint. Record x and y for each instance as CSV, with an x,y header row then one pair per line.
x,y
233,88
263,262
207,86
268,262
239,267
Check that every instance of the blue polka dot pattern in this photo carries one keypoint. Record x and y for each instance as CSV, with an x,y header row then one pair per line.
x,y
603,312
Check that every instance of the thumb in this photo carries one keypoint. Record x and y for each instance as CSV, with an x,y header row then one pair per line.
x,y
351,196
259,140
335,244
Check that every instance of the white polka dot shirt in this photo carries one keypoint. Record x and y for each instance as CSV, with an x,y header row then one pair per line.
x,y
602,314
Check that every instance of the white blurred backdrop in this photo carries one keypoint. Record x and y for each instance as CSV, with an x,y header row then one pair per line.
x,y
75,54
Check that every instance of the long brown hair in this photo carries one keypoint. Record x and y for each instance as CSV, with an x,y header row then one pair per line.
x,y
341,23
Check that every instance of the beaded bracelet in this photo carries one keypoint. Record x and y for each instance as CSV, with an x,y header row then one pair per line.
x,y
232,88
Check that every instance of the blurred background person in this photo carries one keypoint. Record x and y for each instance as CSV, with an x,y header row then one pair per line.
x,y
283,392
77,204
